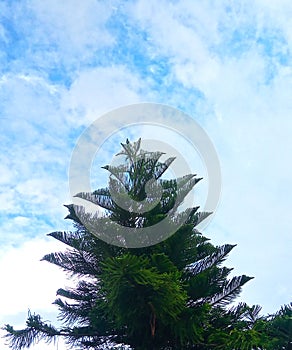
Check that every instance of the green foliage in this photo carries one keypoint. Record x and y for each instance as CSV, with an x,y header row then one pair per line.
x,y
171,295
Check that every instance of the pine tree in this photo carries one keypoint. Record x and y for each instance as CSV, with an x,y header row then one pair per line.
x,y
170,295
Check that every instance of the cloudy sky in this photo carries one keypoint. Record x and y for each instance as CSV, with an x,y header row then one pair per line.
x,y
227,64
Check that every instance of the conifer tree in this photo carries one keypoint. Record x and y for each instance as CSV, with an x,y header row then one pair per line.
x,y
174,294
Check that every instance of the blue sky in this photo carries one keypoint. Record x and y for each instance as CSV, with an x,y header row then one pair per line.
x,y
64,63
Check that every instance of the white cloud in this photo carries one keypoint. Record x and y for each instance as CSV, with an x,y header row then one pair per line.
x,y
165,24
199,39
6,174
72,25
35,153
32,98
96,91
8,200
28,283
57,36
37,190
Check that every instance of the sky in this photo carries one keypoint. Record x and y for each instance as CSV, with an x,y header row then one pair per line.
x,y
63,64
